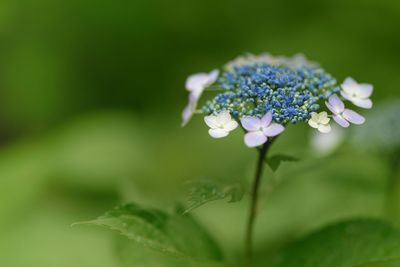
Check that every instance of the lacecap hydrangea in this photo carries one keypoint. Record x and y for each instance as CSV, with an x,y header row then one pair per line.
x,y
263,94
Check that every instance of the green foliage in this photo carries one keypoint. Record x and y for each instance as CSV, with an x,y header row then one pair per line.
x,y
358,243
63,59
172,234
130,254
275,161
202,192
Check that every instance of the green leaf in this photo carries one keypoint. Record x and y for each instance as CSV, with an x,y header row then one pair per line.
x,y
172,234
275,161
202,192
191,238
355,243
131,254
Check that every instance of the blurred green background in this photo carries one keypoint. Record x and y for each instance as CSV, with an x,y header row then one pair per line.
x,y
91,94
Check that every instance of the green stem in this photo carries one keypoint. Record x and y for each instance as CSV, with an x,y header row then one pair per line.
x,y
254,202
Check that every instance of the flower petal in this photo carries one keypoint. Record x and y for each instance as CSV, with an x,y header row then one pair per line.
x,y
187,114
195,95
273,130
332,109
362,103
346,95
349,81
230,126
266,119
197,81
212,76
218,133
341,121
349,85
314,116
353,117
335,104
361,90
224,117
365,90
313,123
251,123
254,139
323,117
324,128
212,121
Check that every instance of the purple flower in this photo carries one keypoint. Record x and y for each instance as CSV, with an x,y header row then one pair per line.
x,y
196,84
357,93
342,115
260,129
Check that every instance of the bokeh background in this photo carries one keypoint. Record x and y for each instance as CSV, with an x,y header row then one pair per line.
x,y
91,94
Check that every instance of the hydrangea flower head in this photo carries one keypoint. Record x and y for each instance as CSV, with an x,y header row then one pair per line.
x,y
266,91
290,94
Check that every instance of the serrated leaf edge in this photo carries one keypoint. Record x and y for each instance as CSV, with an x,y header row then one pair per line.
x,y
136,237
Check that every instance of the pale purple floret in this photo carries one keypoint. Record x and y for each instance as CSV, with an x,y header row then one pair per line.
x,y
196,84
357,93
260,129
342,115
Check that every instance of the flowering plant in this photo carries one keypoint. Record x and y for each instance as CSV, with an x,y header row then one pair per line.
x,y
263,94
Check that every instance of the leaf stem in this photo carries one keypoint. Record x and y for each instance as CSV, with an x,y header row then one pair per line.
x,y
254,201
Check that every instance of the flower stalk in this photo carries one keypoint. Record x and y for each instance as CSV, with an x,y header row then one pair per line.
x,y
254,201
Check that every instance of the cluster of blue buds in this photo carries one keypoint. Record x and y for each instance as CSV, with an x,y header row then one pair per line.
x,y
264,93
291,94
